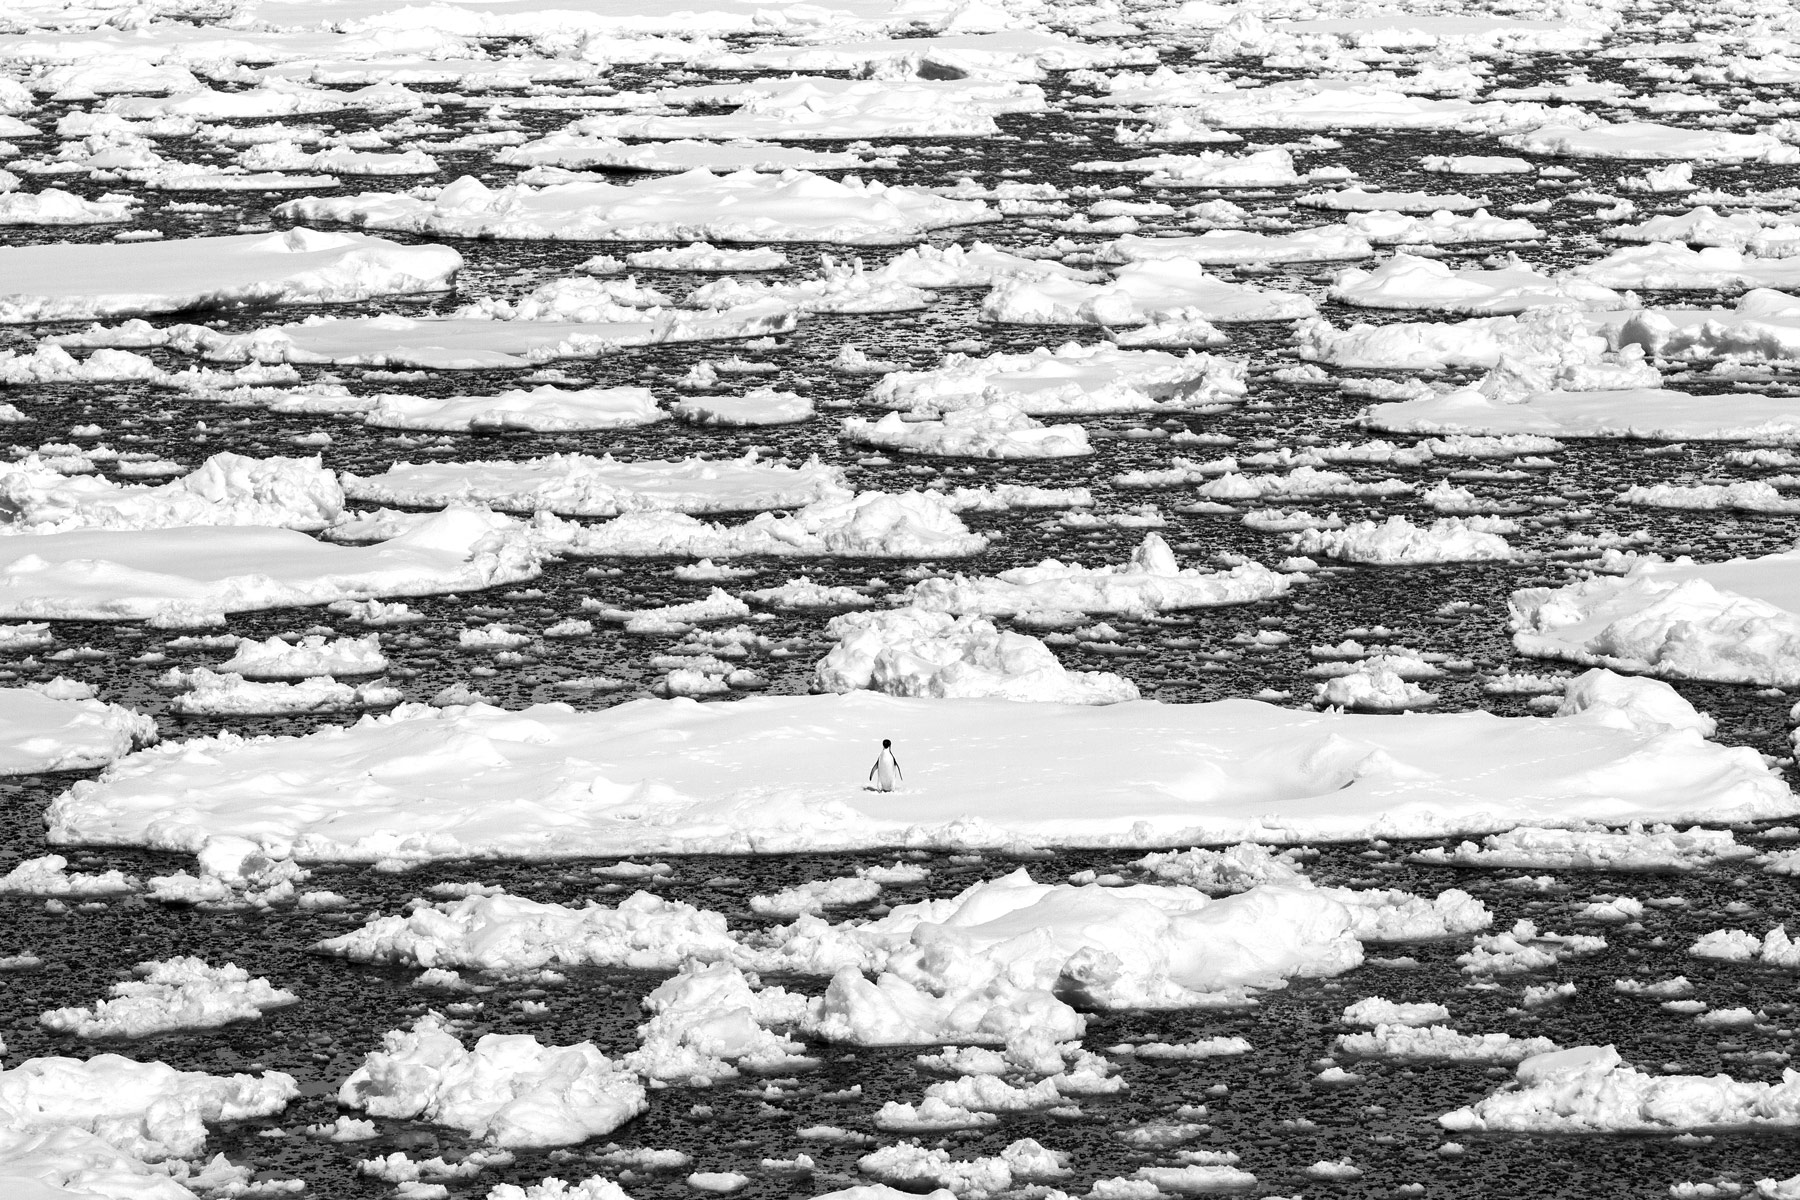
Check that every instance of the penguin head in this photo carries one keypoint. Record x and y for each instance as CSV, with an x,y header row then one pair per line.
x,y
885,743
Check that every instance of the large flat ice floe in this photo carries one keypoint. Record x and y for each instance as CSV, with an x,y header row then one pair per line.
x,y
1068,380
780,774
45,732
193,574
745,206
299,266
581,485
228,489
1656,414
1734,622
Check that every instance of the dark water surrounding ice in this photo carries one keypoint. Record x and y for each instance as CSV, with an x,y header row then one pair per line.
x,y
1270,1111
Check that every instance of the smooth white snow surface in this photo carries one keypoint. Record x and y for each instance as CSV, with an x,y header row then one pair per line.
x,y
779,773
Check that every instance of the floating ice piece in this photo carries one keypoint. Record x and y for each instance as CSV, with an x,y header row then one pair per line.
x,y
501,932
744,206
218,694
577,151
1000,54
1140,293
1745,495
1589,1089
1398,542
701,256
426,783
1524,948
150,1111
866,525
1020,1164
310,656
1150,581
1665,265
1379,1010
763,406
1405,1042
1733,622
1475,164
1301,481
908,652
992,431
1225,247
1373,686
1211,169
47,732
228,489
582,485
1070,379
177,993
191,575
1651,414
1440,229
975,265
1764,325
1554,339
53,206
1238,869
1407,281
1326,104
448,343
64,282
338,160
1647,141
710,1021
510,1090
48,875
824,109
1638,848
1775,947
544,409
1354,199
279,99
842,287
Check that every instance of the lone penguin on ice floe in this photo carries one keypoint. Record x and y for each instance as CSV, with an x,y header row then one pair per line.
x,y
886,771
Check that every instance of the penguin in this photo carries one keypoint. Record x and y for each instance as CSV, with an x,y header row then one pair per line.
x,y
886,771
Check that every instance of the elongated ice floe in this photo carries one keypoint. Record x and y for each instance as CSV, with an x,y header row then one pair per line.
x,y
1139,293
192,575
543,409
300,266
572,150
45,731
1408,281
1149,581
579,484
1651,414
776,774
1665,265
864,525
228,489
745,206
1226,247
1070,379
1734,622
908,652
1590,1089
824,109
1638,848
1647,140
1398,542
1764,324
991,431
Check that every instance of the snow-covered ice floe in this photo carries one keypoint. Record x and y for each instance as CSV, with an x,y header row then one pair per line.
x,y
991,431
1408,281
228,489
542,409
299,266
1657,414
1734,622
65,729
1068,380
193,574
776,774
178,993
744,206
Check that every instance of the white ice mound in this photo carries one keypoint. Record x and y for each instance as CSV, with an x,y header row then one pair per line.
x,y
744,206
991,431
226,693
150,1111
178,993
1230,247
310,656
543,409
191,575
581,485
64,282
866,525
1071,379
228,489
510,1090
47,733
778,774
1588,1089
1648,141
909,652
1151,581
1408,281
1733,622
